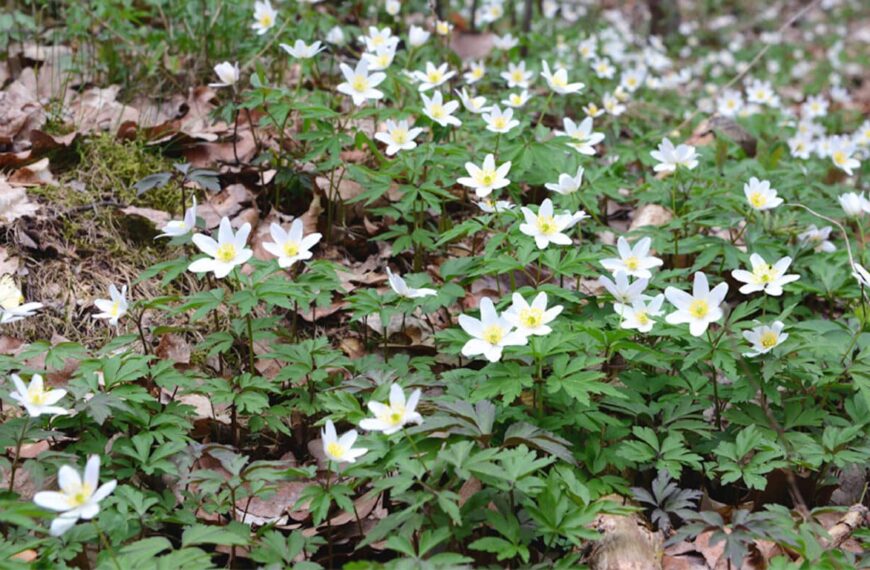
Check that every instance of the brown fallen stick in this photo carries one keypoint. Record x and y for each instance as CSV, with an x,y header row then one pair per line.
x,y
856,517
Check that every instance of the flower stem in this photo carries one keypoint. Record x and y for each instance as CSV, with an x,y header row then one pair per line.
x,y
15,459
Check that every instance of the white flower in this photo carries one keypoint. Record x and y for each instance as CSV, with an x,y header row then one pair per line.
x,y
301,50
492,11
114,307
764,338
517,76
433,76
224,254
79,496
587,49
632,79
567,184
290,246
532,319
640,314
264,16
177,228
476,71
399,136
612,105
603,69
584,139
764,277
762,93
439,111
359,84
392,417
472,104
545,227
842,150
12,305
671,157
634,262
382,58
402,290
35,399
486,178
818,239
393,7
492,207
622,291
516,100
800,146
418,36
340,449
816,106
335,36
498,121
228,73
505,42
854,204
861,274
760,195
377,38
700,308
443,28
490,334
593,110
729,103
558,81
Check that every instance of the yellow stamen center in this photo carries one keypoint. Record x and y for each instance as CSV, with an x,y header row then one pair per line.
x,y
532,318
499,122
335,449
434,76
642,318
763,273
81,496
632,263
493,334
436,110
291,249
699,308
547,225
36,396
360,83
768,339
116,309
839,157
400,136
226,253
487,178
266,20
758,200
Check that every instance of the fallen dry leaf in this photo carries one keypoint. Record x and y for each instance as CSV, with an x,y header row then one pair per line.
x,y
173,347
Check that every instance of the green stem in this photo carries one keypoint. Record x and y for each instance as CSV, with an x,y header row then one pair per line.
x,y
15,459
416,450
105,541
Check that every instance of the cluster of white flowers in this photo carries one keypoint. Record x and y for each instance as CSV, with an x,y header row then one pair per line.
x,y
493,332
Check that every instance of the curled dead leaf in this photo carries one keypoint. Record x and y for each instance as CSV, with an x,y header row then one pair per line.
x,y
14,203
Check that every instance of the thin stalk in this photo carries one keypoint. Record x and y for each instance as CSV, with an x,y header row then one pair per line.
x,y
15,459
